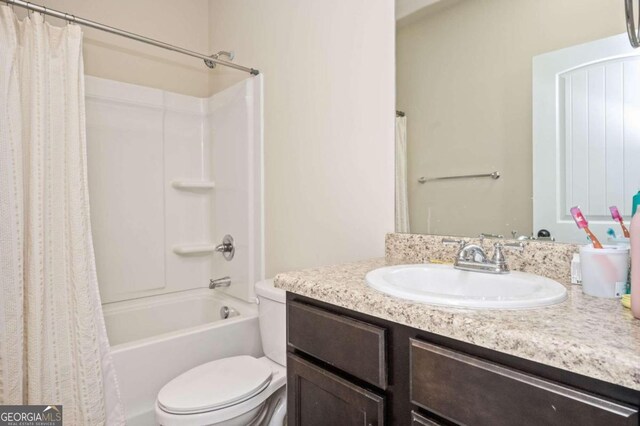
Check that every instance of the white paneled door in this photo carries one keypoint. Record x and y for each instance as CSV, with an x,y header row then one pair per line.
x,y
586,135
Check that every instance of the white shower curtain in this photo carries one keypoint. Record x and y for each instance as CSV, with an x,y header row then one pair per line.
x,y
53,343
402,197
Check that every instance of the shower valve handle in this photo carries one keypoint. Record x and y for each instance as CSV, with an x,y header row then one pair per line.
x,y
227,248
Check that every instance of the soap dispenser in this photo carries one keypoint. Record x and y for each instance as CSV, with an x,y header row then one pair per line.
x,y
635,256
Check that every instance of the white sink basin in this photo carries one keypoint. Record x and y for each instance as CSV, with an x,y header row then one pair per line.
x,y
446,286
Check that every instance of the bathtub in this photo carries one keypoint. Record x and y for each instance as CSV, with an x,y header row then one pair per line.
x,y
156,338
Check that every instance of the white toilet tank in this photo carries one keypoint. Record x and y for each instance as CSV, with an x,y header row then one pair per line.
x,y
273,322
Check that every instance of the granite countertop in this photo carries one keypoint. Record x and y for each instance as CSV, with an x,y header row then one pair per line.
x,y
591,336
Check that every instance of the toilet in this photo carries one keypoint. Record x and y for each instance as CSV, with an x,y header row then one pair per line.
x,y
239,390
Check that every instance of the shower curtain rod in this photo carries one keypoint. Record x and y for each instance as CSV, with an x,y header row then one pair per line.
x,y
210,61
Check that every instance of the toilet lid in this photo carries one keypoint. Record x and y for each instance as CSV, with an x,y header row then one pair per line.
x,y
215,385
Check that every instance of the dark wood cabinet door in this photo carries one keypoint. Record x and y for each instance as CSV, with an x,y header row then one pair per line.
x,y
317,397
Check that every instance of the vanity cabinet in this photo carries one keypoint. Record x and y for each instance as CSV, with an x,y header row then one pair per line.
x,y
473,391
346,368
353,346
322,398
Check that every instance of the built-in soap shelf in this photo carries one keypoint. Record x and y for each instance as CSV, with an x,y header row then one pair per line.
x,y
193,249
193,184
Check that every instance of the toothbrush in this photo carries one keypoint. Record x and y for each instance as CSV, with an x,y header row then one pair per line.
x,y
583,224
612,233
615,214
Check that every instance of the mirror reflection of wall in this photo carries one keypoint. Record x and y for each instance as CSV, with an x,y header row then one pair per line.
x,y
464,81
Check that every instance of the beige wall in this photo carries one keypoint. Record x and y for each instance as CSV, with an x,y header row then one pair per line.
x,y
464,80
183,23
329,100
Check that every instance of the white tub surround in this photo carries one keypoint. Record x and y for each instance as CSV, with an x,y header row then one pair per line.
x,y
169,176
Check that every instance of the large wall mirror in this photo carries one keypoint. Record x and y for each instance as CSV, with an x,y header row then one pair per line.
x,y
510,112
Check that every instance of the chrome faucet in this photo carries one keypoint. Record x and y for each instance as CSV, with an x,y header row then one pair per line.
x,y
227,248
472,257
220,282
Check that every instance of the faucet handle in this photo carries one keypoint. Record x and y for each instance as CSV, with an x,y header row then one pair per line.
x,y
227,248
509,246
450,241
498,254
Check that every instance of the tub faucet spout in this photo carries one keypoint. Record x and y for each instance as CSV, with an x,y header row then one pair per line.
x,y
220,282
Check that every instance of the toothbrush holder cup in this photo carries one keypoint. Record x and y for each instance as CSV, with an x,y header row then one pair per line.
x,y
605,271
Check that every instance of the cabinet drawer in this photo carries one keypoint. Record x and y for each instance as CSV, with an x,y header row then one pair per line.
x,y
420,420
319,398
468,390
352,346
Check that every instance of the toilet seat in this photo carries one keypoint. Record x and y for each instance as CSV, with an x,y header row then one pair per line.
x,y
244,407
215,385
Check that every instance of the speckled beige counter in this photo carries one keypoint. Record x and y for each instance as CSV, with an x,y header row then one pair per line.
x,y
549,259
585,335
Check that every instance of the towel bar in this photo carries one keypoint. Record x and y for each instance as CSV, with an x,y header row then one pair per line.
x,y
492,175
